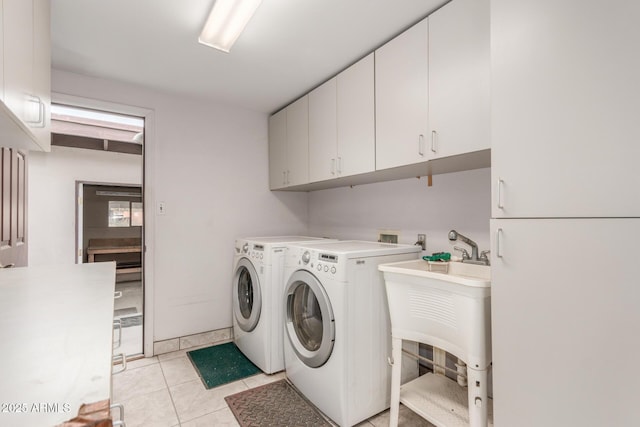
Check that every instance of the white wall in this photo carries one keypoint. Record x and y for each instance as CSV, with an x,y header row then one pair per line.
x,y
460,201
209,164
52,193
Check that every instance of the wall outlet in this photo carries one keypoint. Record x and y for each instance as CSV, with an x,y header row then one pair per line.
x,y
162,208
422,241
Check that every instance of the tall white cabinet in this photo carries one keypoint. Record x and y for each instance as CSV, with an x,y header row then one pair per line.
x,y
566,128
566,213
565,312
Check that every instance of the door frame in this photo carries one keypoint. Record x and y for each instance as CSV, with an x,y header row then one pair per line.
x,y
80,213
148,198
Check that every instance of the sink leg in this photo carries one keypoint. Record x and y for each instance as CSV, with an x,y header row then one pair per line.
x,y
478,400
396,372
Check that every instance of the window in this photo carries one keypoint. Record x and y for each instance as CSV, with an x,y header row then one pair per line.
x,y
125,214
136,214
96,130
119,214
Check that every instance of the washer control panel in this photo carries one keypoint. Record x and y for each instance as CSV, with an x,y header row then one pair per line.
x,y
257,251
320,263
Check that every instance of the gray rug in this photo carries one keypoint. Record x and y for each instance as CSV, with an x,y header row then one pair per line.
x,y
276,404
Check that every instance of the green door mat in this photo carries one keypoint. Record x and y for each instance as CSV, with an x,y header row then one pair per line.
x,y
221,364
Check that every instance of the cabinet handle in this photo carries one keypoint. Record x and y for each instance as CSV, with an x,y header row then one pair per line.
x,y
333,166
421,145
117,324
339,165
40,121
41,114
124,363
498,244
500,203
120,407
434,134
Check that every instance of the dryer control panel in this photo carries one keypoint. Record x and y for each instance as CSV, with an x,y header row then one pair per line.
x,y
257,251
322,264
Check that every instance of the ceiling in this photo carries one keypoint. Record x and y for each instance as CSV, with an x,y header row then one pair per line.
x,y
287,49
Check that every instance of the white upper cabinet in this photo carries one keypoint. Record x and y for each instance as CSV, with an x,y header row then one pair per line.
x,y
26,60
41,85
278,150
459,78
565,127
401,74
342,124
356,119
323,138
298,142
289,145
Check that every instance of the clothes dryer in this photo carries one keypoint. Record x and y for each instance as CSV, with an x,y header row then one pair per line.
x,y
258,284
337,327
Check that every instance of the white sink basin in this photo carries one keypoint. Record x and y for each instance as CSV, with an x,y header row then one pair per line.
x,y
449,310
457,272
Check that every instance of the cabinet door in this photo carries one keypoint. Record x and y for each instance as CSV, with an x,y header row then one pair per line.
x,y
565,98
13,207
41,85
356,118
401,98
322,132
1,52
18,58
298,142
459,76
278,150
565,322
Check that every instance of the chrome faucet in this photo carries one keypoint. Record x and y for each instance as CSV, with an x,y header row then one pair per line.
x,y
482,259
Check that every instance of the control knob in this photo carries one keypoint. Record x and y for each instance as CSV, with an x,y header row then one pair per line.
x,y
306,257
245,248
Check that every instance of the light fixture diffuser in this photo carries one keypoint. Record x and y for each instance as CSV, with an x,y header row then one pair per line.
x,y
226,21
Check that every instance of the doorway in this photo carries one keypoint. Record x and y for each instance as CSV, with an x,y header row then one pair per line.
x,y
109,216
110,228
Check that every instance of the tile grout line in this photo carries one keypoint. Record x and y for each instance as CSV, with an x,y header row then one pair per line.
x,y
175,410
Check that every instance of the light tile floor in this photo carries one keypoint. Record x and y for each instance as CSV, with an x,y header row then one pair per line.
x,y
165,391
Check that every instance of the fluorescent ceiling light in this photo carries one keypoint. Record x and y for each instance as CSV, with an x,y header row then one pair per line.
x,y
226,21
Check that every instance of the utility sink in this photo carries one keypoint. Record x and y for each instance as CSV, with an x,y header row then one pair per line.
x,y
448,306
450,310
455,272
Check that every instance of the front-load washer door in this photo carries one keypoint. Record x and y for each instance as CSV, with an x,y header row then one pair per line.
x,y
309,319
247,298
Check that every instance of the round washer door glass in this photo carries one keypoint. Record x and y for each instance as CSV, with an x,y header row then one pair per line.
x,y
247,298
309,319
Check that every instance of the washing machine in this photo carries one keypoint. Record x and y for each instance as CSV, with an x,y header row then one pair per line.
x,y
337,326
258,283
